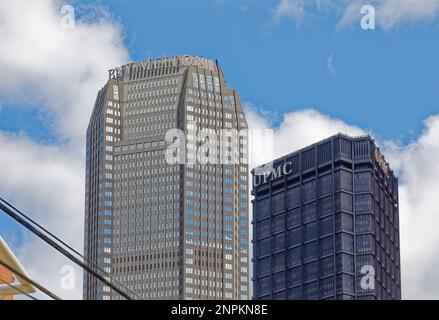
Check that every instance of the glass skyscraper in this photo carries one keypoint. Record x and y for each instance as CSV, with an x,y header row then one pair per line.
x,y
167,230
326,224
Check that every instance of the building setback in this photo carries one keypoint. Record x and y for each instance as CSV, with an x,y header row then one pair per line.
x,y
326,224
167,231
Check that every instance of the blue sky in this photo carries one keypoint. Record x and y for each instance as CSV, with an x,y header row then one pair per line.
x,y
383,81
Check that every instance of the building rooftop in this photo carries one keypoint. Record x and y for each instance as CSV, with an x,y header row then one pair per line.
x,y
169,61
341,135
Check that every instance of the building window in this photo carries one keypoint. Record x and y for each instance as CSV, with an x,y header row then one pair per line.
x,y
294,256
278,223
279,281
343,202
363,203
262,209
278,261
293,197
325,226
363,223
294,277
325,185
325,207
278,242
263,286
310,232
263,228
365,243
294,293
308,191
326,266
324,153
293,218
363,181
364,260
307,159
345,283
362,149
344,222
278,295
195,80
326,246
295,237
263,247
344,242
343,180
310,251
310,291
309,212
345,263
202,81
310,271
343,148
278,202
209,83
327,287
263,267
216,84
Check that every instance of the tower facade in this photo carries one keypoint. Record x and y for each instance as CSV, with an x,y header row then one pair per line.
x,y
166,194
326,224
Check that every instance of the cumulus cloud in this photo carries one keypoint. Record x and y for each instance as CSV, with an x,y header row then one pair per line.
x,y
61,71
298,10
296,130
416,166
58,71
47,183
389,13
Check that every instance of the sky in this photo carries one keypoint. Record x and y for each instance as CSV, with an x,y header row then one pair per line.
x,y
277,65
302,67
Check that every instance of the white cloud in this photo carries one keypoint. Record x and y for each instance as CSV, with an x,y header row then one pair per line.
x,y
389,13
330,65
297,129
55,68
60,71
298,10
289,8
416,166
47,183
418,169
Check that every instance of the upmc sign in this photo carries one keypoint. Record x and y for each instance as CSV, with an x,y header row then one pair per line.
x,y
264,174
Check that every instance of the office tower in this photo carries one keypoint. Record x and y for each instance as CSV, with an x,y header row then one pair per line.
x,y
167,230
6,277
326,224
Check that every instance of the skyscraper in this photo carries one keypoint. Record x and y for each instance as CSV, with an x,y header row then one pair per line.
x,y
326,224
167,230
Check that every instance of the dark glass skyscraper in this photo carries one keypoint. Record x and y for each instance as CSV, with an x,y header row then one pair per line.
x,y
326,224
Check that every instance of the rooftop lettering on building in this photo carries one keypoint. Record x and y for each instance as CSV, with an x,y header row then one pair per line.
x,y
176,61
